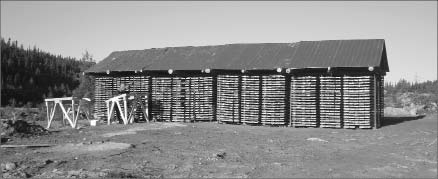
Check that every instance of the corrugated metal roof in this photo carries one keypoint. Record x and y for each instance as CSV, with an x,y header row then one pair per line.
x,y
304,54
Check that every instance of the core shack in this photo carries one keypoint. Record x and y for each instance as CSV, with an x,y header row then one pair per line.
x,y
330,84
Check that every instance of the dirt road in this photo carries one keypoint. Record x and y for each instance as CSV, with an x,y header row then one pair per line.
x,y
398,149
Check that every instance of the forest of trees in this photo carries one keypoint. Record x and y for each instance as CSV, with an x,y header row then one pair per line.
x,y
30,75
403,86
419,93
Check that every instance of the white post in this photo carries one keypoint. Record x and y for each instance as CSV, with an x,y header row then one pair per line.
x,y
108,112
48,116
121,111
111,110
73,111
65,112
125,108
52,115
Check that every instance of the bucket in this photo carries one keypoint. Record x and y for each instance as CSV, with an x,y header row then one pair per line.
x,y
93,122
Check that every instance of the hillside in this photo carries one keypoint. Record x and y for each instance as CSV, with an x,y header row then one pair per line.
x,y
30,75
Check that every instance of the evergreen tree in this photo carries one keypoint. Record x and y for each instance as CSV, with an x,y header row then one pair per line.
x,y
30,75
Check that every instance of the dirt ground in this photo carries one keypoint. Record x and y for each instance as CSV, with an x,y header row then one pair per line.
x,y
403,147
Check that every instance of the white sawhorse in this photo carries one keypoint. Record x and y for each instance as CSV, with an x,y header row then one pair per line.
x,y
58,102
115,101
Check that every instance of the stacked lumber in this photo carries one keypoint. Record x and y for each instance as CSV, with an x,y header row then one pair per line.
x,y
161,98
381,102
203,98
303,102
192,99
140,88
273,103
137,84
330,101
250,99
102,92
228,98
358,101
179,100
189,113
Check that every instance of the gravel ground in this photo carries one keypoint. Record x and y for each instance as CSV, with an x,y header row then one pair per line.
x,y
404,147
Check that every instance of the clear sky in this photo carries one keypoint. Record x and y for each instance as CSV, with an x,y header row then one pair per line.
x,y
68,28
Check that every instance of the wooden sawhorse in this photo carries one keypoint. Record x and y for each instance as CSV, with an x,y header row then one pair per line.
x,y
58,102
123,111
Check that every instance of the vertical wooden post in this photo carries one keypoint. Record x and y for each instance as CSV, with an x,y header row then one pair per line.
x,y
287,100
125,109
318,101
150,98
47,109
108,112
260,98
73,111
52,114
214,93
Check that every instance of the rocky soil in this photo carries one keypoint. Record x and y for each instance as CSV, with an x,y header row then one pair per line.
x,y
405,147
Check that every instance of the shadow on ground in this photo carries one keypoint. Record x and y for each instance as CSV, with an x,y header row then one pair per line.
x,y
387,121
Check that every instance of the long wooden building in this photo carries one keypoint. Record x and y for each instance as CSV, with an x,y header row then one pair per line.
x,y
330,84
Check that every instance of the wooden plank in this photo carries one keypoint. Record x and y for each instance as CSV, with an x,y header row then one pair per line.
x,y
27,146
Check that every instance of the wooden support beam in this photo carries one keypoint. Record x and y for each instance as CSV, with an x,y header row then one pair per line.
x,y
27,146
214,93
47,109
60,99
287,119
125,106
65,112
73,112
52,114
150,97
108,112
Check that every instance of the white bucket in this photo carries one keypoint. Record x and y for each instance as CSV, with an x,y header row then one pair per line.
x,y
93,122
